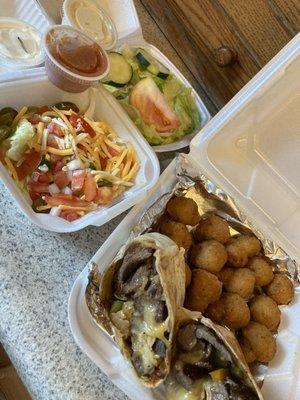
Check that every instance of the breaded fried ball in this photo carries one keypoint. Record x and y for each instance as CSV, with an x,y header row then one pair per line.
x,y
184,210
177,232
212,227
204,289
241,282
226,274
188,275
281,289
231,310
237,313
209,255
240,248
264,310
216,311
261,341
262,270
247,350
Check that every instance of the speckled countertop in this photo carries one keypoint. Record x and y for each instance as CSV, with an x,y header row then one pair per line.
x,y
37,271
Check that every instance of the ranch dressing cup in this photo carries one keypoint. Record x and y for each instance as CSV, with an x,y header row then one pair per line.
x,y
90,18
73,61
20,44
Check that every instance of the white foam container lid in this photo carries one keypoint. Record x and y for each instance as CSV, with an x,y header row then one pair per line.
x,y
124,15
30,12
249,150
15,94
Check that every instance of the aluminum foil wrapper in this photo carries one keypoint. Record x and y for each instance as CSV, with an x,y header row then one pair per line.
x,y
210,198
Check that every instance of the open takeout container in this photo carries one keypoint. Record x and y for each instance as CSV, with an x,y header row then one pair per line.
x,y
129,32
15,94
29,12
251,150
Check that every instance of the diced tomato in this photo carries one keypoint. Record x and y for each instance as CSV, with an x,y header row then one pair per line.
x,y
69,215
58,166
61,179
104,195
55,157
103,162
31,161
66,200
90,188
38,187
78,180
35,119
55,129
34,195
51,141
41,177
153,106
112,151
43,109
80,124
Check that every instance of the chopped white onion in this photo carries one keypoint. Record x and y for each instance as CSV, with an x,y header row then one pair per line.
x,y
74,164
55,211
43,168
67,190
53,188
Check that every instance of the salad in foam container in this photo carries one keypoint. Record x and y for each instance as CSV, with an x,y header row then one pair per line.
x,y
154,94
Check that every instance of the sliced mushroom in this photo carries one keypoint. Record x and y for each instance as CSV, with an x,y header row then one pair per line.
x,y
159,348
186,337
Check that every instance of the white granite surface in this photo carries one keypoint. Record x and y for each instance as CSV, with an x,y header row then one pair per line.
x,y
37,270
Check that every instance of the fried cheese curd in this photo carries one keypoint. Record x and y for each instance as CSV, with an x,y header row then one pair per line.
x,y
231,310
205,288
281,289
238,280
183,210
240,248
261,341
265,311
209,255
262,269
177,232
212,227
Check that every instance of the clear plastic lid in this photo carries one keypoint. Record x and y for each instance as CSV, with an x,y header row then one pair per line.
x,y
20,44
252,149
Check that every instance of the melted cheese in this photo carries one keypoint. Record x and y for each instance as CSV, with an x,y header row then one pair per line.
x,y
176,392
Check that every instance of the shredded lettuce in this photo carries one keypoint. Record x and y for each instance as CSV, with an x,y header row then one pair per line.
x,y
179,98
19,140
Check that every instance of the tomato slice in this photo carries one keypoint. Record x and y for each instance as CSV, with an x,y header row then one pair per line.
x,y
80,124
78,180
31,161
61,179
55,129
43,109
65,200
69,215
35,119
90,188
104,195
153,106
112,151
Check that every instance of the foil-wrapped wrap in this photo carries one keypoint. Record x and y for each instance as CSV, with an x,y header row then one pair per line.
x,y
209,198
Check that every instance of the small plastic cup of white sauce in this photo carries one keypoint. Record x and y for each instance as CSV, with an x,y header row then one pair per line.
x,y
73,61
89,17
20,44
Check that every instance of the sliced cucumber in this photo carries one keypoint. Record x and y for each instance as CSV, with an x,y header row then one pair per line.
x,y
120,72
146,61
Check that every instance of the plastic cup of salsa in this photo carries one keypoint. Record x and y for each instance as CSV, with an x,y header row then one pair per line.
x,y
73,61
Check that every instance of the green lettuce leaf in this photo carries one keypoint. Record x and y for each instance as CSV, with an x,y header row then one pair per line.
x,y
18,141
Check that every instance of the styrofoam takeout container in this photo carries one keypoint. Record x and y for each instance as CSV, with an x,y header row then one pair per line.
x,y
29,12
15,94
251,150
125,18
